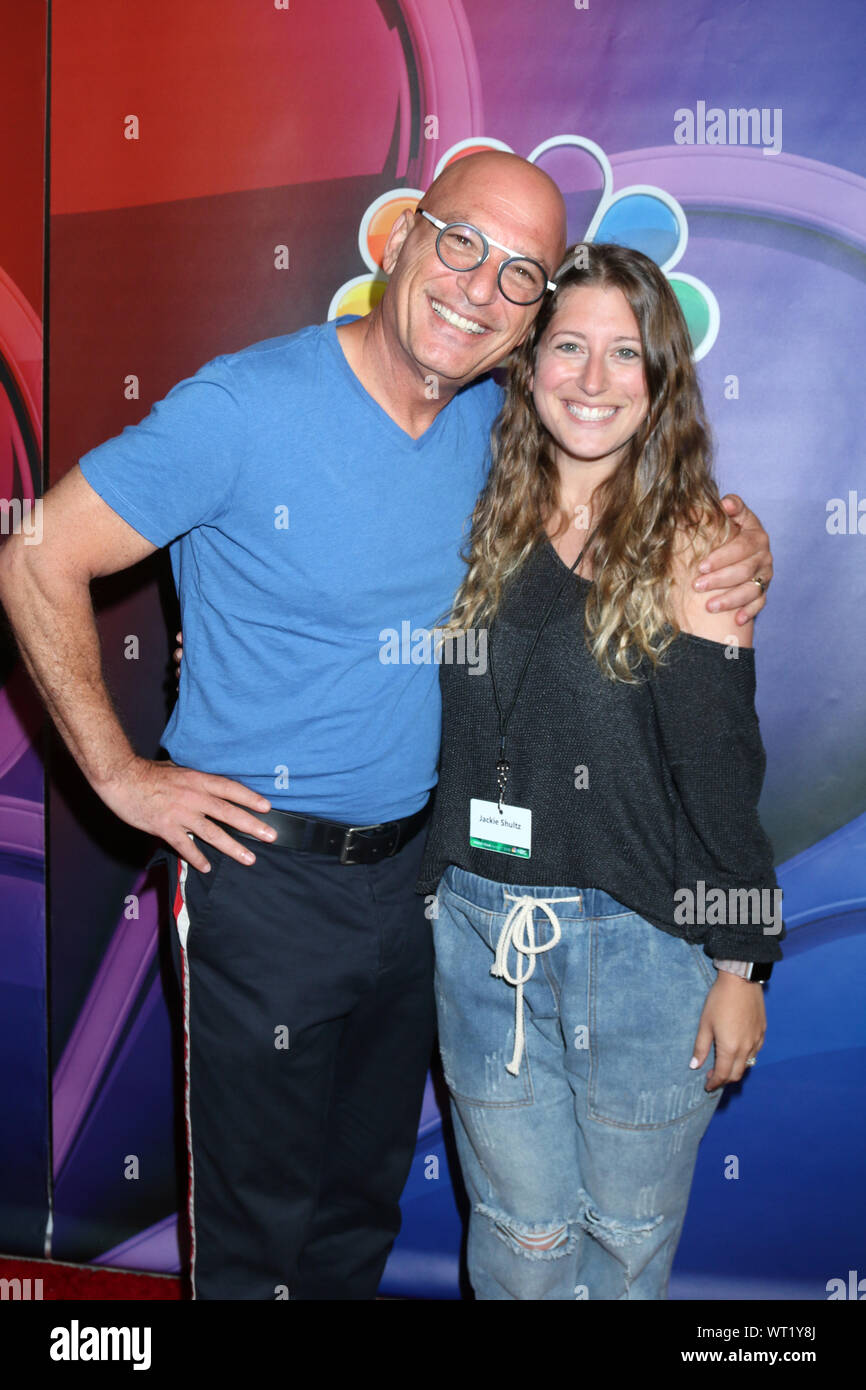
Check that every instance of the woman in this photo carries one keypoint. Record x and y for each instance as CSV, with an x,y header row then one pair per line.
x,y
606,902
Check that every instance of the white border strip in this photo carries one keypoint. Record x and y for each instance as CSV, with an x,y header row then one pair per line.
x,y
181,916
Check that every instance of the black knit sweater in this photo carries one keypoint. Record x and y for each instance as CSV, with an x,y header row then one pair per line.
x,y
648,792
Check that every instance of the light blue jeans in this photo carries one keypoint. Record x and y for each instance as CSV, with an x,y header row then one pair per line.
x,y
578,1167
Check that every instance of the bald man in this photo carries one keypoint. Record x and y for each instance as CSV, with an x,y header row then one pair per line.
x,y
313,491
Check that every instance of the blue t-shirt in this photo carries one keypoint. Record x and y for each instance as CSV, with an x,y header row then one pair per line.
x,y
310,537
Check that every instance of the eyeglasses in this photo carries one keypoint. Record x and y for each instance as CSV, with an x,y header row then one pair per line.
x,y
461,246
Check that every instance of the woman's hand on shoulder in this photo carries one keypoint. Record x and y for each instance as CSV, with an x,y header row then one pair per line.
x,y
689,606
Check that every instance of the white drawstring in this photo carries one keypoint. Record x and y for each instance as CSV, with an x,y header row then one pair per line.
x,y
518,930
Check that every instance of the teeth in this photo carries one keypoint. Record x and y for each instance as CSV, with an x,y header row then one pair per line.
x,y
458,320
587,412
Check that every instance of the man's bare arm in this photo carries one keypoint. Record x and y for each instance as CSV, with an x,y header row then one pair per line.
x,y
45,590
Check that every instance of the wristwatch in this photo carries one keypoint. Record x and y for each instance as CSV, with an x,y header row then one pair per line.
x,y
758,971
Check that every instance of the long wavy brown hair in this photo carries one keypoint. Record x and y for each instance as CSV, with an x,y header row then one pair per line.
x,y
661,495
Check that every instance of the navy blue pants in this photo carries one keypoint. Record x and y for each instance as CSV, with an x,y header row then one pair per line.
x,y
308,1029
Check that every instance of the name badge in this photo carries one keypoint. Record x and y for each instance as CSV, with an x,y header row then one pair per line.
x,y
507,833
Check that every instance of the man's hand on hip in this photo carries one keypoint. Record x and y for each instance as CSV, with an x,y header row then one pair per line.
x,y
174,802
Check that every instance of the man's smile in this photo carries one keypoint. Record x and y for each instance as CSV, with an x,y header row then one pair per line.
x,y
455,319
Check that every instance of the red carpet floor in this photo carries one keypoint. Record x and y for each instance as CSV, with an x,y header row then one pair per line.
x,y
85,1282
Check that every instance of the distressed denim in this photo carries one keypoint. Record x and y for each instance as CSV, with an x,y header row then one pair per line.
x,y
578,1168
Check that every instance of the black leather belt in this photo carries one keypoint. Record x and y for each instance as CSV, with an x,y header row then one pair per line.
x,y
352,844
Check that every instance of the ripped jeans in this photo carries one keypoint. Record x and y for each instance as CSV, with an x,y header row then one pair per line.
x,y
578,1167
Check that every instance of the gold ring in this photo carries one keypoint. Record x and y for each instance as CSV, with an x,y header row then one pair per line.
x,y
761,583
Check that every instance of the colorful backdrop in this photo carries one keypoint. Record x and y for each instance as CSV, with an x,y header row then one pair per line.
x,y
226,170
24,1094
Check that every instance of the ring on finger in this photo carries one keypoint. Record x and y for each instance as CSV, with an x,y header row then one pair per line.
x,y
761,583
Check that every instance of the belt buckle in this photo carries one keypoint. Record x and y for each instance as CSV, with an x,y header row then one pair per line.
x,y
347,848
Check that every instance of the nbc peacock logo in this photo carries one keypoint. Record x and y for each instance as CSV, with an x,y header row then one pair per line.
x,y
641,216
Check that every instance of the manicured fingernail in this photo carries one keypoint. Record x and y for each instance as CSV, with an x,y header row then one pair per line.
x,y
701,583
247,857
694,1063
269,834
714,605
703,567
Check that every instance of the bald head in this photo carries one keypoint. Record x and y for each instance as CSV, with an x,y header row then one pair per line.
x,y
451,324
517,189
